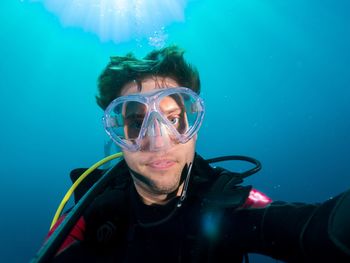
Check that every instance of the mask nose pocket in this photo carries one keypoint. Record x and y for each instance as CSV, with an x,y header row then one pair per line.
x,y
157,134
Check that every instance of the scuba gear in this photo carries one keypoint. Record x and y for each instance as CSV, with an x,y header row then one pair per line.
x,y
155,120
55,240
199,231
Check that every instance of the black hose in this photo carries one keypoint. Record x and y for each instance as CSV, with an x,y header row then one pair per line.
x,y
245,174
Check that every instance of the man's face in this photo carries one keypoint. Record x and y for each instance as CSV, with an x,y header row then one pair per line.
x,y
158,172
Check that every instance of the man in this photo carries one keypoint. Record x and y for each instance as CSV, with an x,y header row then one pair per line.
x,y
167,204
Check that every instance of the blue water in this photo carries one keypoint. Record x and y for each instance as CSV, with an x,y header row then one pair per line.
x,y
275,78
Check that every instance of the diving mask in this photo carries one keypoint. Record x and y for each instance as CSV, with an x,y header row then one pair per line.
x,y
155,120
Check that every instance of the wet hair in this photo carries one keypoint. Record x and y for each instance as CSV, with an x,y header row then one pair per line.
x,y
165,62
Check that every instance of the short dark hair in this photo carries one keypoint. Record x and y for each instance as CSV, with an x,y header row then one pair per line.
x,y
165,62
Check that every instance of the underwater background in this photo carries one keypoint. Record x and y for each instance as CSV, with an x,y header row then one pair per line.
x,y
275,78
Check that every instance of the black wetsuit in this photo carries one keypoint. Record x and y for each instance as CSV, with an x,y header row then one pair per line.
x,y
120,228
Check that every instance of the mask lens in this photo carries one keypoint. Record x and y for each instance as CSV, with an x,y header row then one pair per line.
x,y
125,120
181,110
134,114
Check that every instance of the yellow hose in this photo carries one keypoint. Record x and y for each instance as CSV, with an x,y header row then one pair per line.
x,y
78,181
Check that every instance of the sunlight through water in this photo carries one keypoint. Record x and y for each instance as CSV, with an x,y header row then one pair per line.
x,y
120,20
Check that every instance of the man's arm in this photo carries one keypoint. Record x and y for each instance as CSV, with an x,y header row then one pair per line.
x,y
294,232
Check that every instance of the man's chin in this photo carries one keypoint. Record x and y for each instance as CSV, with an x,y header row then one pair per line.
x,y
164,186
170,191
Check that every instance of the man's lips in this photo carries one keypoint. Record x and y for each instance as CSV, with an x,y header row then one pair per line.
x,y
161,164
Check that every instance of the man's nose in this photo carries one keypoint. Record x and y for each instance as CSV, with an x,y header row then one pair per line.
x,y
156,127
159,131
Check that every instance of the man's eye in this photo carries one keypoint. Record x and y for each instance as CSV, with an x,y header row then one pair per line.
x,y
174,120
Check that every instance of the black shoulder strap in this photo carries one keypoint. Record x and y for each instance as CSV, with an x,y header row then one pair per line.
x,y
226,191
218,187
